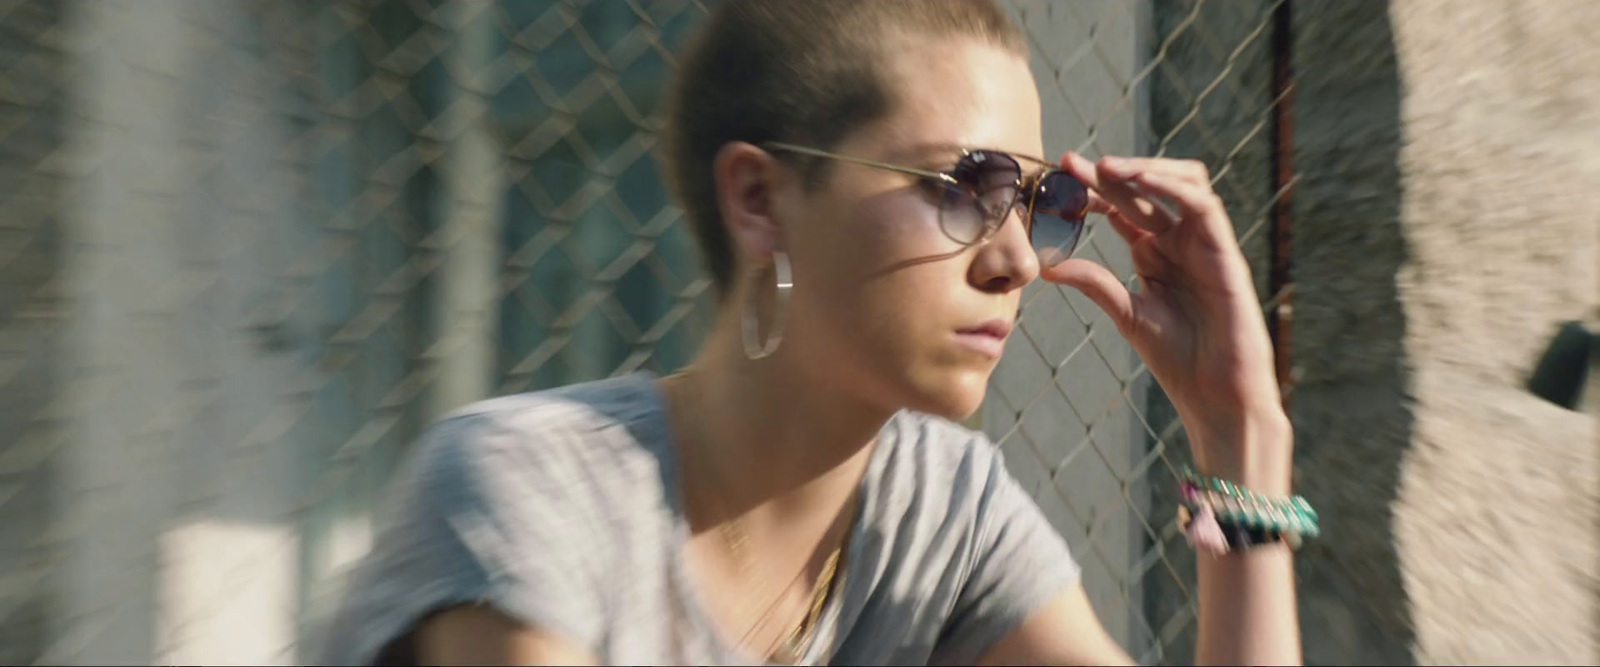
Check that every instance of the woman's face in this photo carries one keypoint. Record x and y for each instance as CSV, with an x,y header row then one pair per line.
x,y
885,305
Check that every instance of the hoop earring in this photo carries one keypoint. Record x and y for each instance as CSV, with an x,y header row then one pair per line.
x,y
780,314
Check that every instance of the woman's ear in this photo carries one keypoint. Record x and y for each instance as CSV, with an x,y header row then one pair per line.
x,y
747,180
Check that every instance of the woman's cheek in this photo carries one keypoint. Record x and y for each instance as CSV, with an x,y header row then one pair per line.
x,y
908,240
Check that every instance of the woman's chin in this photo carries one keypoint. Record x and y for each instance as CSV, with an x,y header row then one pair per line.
x,y
953,395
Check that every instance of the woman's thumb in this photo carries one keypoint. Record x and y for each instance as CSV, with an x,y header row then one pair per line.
x,y
1097,283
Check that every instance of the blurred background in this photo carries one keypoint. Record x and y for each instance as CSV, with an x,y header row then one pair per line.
x,y
248,249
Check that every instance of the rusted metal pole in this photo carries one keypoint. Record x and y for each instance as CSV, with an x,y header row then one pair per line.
x,y
1281,284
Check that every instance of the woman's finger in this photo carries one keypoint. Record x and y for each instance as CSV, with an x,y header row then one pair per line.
x,y
1082,169
1152,264
1193,171
1125,228
1196,203
1119,222
1119,193
1097,283
1098,204
1142,211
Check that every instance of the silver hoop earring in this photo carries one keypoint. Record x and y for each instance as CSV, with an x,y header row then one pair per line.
x,y
753,348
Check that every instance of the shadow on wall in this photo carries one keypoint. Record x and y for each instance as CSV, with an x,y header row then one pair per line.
x,y
1352,405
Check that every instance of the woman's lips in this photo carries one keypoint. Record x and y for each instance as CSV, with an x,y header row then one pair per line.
x,y
988,338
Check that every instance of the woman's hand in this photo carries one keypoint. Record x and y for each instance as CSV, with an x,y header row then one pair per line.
x,y
1195,320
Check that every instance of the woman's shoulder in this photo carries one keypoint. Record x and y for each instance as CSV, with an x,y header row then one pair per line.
x,y
592,405
550,440
576,412
520,500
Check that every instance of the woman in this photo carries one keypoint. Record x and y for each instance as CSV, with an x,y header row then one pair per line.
x,y
863,181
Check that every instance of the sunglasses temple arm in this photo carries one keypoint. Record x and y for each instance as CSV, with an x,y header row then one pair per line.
x,y
861,161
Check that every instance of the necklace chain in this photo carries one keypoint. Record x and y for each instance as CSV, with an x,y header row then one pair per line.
x,y
789,645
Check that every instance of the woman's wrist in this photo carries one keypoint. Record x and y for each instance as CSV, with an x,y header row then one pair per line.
x,y
1254,450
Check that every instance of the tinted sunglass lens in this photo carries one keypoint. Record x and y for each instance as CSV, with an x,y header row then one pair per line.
x,y
1058,208
960,216
985,187
995,177
988,171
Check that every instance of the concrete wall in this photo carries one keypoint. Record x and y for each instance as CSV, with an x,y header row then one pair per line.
x,y
168,494
1444,227
204,390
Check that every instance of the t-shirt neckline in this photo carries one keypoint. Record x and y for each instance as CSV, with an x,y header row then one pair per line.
x,y
845,598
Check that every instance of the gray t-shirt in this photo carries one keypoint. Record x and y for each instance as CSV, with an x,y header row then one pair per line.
x,y
561,508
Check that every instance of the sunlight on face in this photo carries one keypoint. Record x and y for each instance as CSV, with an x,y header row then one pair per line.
x,y
884,302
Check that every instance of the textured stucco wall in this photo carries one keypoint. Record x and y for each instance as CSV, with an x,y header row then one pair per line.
x,y
1497,513
1352,403
1445,225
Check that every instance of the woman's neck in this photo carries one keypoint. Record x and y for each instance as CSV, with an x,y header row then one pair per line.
x,y
765,440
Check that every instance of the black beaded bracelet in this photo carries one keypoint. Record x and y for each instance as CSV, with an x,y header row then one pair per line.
x,y
1239,537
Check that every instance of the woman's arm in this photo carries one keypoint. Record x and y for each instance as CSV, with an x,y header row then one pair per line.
x,y
476,635
1247,604
1197,323
1247,600
1064,632
481,513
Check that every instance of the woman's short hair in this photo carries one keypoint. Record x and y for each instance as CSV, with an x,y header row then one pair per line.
x,y
802,71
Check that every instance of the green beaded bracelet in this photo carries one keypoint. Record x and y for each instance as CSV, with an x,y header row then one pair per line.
x,y
1240,506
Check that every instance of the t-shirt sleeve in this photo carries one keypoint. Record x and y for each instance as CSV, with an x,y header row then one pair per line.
x,y
479,515
1019,563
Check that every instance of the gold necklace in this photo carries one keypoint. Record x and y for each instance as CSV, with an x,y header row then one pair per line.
x,y
738,541
789,646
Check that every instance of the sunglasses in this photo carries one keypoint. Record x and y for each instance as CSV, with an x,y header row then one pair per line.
x,y
977,195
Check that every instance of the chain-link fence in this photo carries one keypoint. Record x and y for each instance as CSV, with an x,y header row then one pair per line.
x,y
249,249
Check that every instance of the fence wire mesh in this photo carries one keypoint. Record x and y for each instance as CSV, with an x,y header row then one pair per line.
x,y
250,249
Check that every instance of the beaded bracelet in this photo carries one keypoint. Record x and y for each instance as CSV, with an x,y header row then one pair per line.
x,y
1218,516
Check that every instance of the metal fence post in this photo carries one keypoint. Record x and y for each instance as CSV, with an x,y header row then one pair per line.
x,y
466,304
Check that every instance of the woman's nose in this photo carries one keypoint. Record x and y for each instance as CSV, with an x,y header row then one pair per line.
x,y
1006,261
